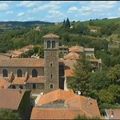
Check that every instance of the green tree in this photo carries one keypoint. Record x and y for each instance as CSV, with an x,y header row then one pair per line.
x,y
106,97
98,80
114,74
67,23
80,81
8,114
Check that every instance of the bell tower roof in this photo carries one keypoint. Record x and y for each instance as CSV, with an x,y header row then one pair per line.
x,y
51,36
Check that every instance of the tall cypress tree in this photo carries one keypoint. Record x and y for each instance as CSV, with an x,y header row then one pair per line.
x,y
67,23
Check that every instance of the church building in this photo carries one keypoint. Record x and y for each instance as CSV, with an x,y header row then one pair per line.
x,y
44,74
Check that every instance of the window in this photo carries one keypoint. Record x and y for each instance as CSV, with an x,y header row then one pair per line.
x,y
51,64
5,73
21,87
34,73
19,73
34,86
13,87
48,44
51,86
53,44
51,76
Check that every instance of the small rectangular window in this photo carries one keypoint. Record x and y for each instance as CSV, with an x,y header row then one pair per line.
x,y
48,44
51,76
53,44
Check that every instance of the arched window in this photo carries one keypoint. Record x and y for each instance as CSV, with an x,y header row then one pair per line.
x,y
53,44
34,73
5,73
48,44
51,86
19,73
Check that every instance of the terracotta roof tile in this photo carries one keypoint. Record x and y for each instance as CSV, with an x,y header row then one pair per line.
x,y
54,114
4,84
19,81
72,56
22,62
76,49
10,99
55,95
79,105
40,79
51,35
70,63
88,105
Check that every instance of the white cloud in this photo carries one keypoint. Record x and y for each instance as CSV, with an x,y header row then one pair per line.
x,y
3,6
28,4
55,15
102,5
110,17
73,9
96,7
50,6
20,14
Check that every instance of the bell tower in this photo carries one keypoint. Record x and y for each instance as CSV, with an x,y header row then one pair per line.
x,y
51,56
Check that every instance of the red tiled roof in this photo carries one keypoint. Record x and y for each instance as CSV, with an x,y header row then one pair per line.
x,y
10,99
22,62
4,84
70,63
54,114
88,105
76,49
72,56
51,35
79,105
19,81
40,79
55,95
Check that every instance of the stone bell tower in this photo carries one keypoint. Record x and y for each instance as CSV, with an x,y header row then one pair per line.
x,y
51,56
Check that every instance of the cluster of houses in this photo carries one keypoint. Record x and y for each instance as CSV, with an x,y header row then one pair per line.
x,y
21,79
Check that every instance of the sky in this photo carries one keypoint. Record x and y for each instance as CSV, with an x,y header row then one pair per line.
x,y
57,11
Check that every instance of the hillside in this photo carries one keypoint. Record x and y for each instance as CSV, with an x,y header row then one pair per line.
x,y
92,33
19,24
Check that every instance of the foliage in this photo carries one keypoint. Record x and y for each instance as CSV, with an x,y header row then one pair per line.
x,y
66,23
8,114
80,80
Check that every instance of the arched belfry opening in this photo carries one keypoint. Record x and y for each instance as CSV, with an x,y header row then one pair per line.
x,y
51,56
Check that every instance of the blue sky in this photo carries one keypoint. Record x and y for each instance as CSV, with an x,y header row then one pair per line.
x,y
56,11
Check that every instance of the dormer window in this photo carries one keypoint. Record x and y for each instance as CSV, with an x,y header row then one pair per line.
x,y
53,44
48,44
